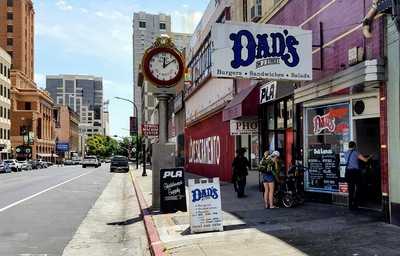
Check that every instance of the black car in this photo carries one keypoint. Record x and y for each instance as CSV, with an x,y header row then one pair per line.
x,y
119,163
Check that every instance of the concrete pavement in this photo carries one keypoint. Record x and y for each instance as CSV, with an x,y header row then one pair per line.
x,y
312,229
113,226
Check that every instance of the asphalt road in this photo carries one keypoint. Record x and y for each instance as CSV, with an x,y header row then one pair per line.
x,y
41,210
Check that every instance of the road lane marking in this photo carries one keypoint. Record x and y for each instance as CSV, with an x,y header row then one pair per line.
x,y
43,191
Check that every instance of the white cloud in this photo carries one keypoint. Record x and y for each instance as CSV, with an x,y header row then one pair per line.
x,y
185,21
40,80
63,5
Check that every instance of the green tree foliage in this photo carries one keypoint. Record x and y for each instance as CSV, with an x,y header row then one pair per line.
x,y
129,143
102,146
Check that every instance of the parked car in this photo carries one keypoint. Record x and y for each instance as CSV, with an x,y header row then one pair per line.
x,y
90,161
25,165
42,163
35,164
5,168
68,162
14,165
119,163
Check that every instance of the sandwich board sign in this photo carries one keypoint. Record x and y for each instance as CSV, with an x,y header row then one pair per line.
x,y
172,190
205,206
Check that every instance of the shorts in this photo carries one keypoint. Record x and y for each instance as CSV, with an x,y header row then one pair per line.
x,y
268,178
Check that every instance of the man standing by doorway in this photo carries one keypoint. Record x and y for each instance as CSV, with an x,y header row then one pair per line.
x,y
353,174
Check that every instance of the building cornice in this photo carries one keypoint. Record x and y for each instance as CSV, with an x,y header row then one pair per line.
x,y
271,13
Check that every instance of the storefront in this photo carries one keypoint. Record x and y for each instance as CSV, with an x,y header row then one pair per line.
x,y
209,148
344,112
276,119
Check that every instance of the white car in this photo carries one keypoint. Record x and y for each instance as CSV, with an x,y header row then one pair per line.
x,y
14,165
90,161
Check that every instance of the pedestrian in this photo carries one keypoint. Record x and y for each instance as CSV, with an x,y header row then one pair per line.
x,y
240,167
353,174
269,167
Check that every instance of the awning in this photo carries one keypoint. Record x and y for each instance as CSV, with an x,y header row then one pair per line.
x,y
244,104
47,155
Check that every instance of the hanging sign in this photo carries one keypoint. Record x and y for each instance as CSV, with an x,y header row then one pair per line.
x,y
150,130
268,92
261,51
244,127
172,190
205,206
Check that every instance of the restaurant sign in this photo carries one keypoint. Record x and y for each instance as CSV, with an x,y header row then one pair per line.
x,y
261,51
243,127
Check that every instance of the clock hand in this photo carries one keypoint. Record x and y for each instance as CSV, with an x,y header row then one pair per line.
x,y
164,63
169,63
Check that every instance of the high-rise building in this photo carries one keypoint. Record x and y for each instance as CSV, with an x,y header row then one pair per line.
x,y
5,104
146,28
31,108
84,95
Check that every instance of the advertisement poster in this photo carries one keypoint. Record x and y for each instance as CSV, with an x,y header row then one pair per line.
x,y
205,206
323,168
327,136
261,51
172,190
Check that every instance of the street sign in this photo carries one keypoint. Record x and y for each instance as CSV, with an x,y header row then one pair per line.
x,y
62,147
150,130
172,190
205,205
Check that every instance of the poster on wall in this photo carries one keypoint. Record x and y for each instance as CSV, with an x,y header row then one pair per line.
x,y
326,138
205,205
261,51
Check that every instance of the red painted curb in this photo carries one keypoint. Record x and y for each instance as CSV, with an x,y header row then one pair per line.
x,y
156,247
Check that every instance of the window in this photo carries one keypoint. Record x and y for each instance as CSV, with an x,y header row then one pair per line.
x,y
8,134
8,94
244,10
163,26
5,133
4,92
10,29
9,114
1,90
28,106
10,41
10,16
10,3
142,24
1,111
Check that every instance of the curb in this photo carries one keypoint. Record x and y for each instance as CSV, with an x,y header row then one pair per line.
x,y
156,247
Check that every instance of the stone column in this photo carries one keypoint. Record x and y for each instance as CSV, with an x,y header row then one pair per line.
x,y
163,117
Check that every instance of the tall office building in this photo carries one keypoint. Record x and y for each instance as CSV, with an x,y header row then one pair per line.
x,y
31,108
146,28
5,104
84,95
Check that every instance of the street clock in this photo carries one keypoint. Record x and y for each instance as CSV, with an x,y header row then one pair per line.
x,y
163,64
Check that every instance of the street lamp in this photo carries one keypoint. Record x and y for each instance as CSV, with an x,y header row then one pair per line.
x,y
137,136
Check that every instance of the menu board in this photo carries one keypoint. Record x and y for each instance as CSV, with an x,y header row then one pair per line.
x,y
205,206
323,165
172,190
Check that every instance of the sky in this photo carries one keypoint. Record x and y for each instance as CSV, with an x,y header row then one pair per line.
x,y
94,37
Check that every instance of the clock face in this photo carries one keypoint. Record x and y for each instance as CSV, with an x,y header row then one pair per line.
x,y
163,67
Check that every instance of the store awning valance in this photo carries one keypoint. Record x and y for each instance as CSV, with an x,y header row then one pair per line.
x,y
243,105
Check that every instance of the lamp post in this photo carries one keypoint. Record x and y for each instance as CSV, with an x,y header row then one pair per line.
x,y
137,135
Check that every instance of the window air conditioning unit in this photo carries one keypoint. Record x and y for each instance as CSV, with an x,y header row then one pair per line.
x,y
366,107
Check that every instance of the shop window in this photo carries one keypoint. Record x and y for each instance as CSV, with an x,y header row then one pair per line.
x,y
289,113
271,117
327,133
280,114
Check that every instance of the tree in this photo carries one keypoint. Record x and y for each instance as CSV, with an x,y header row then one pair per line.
x,y
102,146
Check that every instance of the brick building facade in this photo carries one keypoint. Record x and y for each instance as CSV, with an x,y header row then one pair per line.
x,y
31,107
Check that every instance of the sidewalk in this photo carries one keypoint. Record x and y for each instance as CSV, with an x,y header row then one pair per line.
x,y
113,226
312,229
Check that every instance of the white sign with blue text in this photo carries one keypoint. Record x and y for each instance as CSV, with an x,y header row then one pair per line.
x,y
205,205
261,51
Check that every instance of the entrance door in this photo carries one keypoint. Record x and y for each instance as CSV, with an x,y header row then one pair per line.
x,y
367,137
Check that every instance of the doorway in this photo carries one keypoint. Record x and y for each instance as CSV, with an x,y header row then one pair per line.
x,y
367,137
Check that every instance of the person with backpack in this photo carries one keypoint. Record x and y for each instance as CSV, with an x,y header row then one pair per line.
x,y
353,174
240,167
269,167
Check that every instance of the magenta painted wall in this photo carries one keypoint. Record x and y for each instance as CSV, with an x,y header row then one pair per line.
x,y
338,18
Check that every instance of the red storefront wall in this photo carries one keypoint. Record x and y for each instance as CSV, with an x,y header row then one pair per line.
x,y
209,148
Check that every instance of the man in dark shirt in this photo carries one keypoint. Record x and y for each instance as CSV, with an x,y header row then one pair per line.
x,y
353,174
240,171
